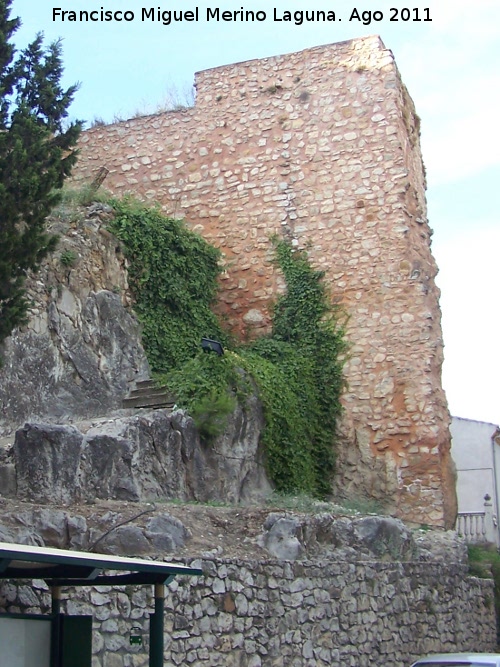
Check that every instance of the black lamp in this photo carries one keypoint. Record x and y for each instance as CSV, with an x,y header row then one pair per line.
x,y
209,345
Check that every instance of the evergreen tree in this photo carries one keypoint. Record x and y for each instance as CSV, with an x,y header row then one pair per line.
x,y
36,154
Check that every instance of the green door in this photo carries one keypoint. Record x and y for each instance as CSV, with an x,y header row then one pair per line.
x,y
76,641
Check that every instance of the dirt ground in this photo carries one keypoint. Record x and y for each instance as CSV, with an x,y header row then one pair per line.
x,y
223,531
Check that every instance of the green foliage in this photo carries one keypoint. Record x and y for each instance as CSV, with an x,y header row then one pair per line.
x,y
359,505
484,562
68,258
173,274
297,370
211,413
208,386
299,374
300,502
72,197
303,502
36,155
287,436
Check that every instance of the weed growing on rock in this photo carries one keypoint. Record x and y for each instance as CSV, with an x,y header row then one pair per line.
x,y
484,562
68,258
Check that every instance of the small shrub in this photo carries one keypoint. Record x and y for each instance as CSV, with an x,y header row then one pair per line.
x,y
209,387
68,258
211,413
72,197
300,503
272,90
98,122
364,506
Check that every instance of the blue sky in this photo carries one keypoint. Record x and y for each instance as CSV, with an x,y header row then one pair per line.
x,y
451,67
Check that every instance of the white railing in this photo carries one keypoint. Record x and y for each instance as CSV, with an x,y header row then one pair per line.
x,y
472,526
479,527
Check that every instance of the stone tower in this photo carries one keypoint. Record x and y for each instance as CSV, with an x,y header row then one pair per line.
x,y
321,146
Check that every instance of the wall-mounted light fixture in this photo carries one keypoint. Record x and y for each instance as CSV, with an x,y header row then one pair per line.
x,y
209,345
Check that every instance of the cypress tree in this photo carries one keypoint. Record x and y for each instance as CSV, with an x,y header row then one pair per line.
x,y
36,155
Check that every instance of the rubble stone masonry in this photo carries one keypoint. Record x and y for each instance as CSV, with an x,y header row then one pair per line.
x,y
321,146
276,613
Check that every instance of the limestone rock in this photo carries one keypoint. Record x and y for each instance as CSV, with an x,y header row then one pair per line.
x,y
289,537
446,546
166,533
8,487
232,468
48,463
195,530
384,537
111,533
125,540
44,527
280,537
148,456
80,352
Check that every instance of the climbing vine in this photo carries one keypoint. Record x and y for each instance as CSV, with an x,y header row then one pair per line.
x,y
173,274
305,355
297,370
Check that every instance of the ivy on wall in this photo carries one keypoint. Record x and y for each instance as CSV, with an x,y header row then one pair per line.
x,y
301,389
173,274
297,369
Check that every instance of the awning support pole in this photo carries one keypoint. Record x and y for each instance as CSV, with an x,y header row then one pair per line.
x,y
156,640
56,599
55,634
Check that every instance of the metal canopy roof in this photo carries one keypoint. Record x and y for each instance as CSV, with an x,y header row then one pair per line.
x,y
60,567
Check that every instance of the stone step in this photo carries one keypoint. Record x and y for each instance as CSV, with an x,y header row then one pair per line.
x,y
148,394
165,401
143,384
148,391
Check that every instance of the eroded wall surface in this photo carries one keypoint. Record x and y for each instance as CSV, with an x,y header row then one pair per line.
x,y
321,146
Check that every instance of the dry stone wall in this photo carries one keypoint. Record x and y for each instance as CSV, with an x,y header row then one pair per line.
x,y
276,613
322,147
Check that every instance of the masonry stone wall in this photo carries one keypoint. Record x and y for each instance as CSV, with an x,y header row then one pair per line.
x,y
276,613
322,147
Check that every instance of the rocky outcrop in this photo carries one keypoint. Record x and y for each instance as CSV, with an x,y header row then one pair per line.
x,y
246,533
147,456
112,532
65,375
291,537
81,350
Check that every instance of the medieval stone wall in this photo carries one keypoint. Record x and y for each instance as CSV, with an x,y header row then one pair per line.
x,y
321,146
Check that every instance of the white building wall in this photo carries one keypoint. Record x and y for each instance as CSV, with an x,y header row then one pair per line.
x,y
476,452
